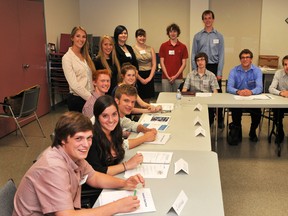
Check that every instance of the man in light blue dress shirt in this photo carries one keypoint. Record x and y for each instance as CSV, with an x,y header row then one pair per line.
x,y
211,42
244,80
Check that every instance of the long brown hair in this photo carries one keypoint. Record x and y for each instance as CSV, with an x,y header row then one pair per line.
x,y
85,49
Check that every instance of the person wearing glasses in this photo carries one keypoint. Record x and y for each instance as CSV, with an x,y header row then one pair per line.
x,y
244,80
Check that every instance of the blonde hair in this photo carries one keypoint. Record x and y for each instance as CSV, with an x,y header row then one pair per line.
x,y
85,49
113,55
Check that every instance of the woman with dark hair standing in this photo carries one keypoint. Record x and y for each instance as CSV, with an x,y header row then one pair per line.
x,y
78,67
124,52
107,59
146,58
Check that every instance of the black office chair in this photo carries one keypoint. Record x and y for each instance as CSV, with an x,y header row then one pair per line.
x,y
21,107
7,193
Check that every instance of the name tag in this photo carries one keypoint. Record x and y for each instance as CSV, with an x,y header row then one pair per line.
x,y
142,52
171,52
83,179
215,41
128,55
205,82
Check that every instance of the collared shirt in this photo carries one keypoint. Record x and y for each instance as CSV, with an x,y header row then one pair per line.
x,y
240,79
89,105
211,43
52,184
196,83
173,56
279,83
128,124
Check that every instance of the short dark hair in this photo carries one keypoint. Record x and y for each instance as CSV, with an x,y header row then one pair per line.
x,y
69,124
206,12
284,58
246,51
140,32
125,89
201,55
118,30
173,27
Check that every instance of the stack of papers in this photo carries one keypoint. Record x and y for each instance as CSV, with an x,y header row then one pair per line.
x,y
166,107
155,165
158,122
143,194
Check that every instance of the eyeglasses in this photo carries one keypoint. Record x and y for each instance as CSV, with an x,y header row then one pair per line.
x,y
246,57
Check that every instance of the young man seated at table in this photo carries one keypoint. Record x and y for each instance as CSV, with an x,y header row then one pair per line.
x,y
125,97
202,80
244,80
279,86
52,186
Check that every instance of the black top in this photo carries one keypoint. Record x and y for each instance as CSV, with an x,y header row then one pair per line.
x,y
123,58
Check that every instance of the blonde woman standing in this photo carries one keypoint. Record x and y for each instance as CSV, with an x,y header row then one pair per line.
x,y
107,59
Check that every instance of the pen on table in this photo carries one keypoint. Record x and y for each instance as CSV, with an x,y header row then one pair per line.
x,y
135,192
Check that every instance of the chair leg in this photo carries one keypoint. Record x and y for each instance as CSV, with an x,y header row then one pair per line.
x,y
39,125
19,127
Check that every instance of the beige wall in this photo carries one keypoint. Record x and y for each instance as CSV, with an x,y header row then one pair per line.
x,y
258,25
240,24
274,29
60,17
102,16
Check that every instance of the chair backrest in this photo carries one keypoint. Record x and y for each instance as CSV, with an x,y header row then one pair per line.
x,y
30,101
7,193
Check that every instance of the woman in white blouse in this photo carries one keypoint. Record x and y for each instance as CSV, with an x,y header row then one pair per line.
x,y
78,66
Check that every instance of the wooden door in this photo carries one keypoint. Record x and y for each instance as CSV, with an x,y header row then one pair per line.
x,y
23,43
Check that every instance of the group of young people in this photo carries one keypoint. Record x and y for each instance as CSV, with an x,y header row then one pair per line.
x,y
91,139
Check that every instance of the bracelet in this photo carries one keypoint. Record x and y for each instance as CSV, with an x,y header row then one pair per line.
x,y
124,165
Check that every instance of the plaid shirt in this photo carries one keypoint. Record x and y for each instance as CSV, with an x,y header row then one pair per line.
x,y
195,83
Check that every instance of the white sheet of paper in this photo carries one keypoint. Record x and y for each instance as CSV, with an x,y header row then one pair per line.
x,y
203,94
156,157
143,194
161,138
200,132
198,107
253,97
165,106
198,121
179,203
181,165
149,171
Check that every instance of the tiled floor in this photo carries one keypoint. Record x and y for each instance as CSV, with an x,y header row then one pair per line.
x,y
254,180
